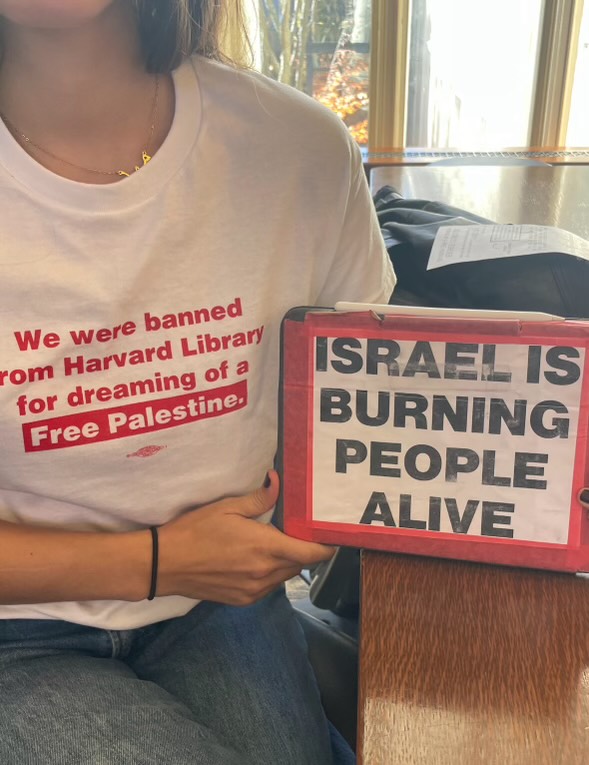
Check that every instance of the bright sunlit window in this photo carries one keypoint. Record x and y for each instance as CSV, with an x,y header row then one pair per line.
x,y
578,130
471,73
468,74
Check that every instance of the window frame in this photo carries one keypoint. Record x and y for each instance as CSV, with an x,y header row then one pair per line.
x,y
558,44
557,57
560,29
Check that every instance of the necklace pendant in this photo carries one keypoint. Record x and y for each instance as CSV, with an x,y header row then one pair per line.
x,y
144,156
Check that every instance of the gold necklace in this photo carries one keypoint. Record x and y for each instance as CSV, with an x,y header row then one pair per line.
x,y
145,156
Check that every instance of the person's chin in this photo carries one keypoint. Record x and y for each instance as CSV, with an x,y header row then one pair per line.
x,y
52,14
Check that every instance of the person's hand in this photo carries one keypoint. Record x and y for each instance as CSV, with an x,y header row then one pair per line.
x,y
584,497
221,553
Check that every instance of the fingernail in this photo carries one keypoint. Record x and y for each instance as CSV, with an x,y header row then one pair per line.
x,y
268,481
584,496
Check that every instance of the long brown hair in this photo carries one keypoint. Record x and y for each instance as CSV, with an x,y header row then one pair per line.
x,y
170,30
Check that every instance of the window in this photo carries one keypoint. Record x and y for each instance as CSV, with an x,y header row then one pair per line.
x,y
578,127
469,75
321,48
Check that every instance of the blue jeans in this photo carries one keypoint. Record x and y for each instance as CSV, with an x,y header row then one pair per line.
x,y
219,686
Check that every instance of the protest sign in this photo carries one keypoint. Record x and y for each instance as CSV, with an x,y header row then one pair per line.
x,y
460,436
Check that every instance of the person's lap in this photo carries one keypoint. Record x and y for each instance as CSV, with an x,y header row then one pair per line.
x,y
220,686
81,710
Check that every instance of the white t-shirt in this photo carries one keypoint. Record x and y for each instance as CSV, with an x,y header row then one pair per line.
x,y
139,321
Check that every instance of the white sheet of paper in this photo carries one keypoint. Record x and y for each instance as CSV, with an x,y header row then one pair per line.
x,y
538,515
466,244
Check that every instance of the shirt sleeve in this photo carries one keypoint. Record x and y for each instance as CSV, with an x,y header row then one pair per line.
x,y
361,270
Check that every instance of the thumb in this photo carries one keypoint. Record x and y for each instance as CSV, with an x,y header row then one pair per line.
x,y
262,499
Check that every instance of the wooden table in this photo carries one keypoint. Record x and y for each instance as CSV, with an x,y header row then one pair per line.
x,y
549,196
463,663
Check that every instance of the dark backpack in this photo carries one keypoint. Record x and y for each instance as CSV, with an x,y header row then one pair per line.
x,y
551,282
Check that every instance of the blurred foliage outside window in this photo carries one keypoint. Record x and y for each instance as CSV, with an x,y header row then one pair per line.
x,y
321,47
472,66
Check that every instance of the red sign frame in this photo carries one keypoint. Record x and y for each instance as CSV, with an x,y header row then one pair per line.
x,y
301,327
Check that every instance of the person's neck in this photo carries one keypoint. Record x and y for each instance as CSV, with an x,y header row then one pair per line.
x,y
73,76
87,96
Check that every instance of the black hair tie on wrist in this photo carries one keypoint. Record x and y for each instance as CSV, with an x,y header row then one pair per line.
x,y
154,562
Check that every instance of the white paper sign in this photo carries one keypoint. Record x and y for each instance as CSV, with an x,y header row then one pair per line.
x,y
466,244
465,438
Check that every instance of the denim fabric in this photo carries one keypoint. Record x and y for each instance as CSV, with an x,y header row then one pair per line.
x,y
219,686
